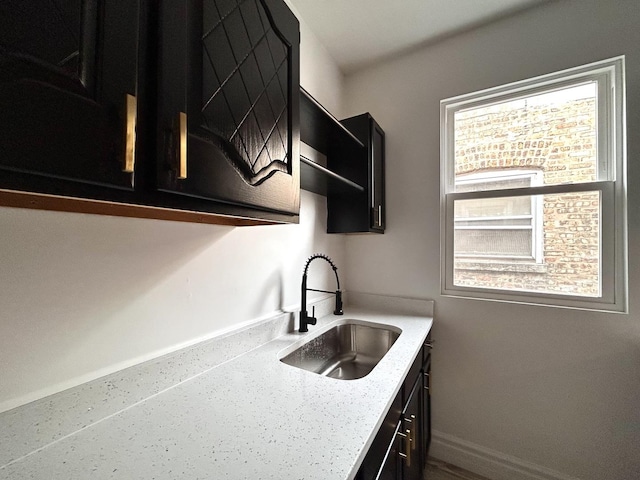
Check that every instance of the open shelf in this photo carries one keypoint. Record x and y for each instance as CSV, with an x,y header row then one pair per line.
x,y
318,179
323,132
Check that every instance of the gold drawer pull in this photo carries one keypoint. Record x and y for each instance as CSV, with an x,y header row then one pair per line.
x,y
130,134
182,145
408,440
406,456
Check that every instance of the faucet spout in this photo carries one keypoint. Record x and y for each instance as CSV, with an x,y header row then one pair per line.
x,y
305,319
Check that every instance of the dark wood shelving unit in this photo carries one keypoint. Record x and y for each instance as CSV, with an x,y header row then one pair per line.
x,y
323,132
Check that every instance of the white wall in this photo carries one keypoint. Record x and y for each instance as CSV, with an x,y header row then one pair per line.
x,y
84,295
557,388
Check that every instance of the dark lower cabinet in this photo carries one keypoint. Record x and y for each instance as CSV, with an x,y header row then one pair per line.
x,y
391,468
229,102
68,86
399,450
382,461
426,406
412,454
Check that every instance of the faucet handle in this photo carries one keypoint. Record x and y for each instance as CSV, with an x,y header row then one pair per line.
x,y
312,320
338,310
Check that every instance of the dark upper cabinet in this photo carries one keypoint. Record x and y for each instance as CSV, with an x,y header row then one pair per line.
x,y
67,93
349,210
176,109
228,123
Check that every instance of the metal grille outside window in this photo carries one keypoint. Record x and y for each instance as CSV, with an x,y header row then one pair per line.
x,y
503,228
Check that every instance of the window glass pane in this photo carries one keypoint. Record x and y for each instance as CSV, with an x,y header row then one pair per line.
x,y
491,222
568,239
554,132
493,207
495,227
495,243
489,181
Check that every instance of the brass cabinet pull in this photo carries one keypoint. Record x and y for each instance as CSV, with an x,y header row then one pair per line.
x,y
412,439
407,446
404,456
407,440
131,109
182,145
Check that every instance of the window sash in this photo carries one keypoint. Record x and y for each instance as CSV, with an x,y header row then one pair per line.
x,y
610,285
606,79
611,183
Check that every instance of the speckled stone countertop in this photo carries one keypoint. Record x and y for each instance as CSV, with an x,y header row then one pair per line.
x,y
245,415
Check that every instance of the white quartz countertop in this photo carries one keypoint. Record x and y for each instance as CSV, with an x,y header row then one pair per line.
x,y
251,417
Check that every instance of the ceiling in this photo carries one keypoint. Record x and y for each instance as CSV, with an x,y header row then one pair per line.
x,y
360,32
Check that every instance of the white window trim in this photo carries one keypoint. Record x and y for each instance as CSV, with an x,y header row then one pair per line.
x,y
536,212
611,183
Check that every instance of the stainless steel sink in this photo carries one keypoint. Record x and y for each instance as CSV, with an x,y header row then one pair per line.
x,y
347,351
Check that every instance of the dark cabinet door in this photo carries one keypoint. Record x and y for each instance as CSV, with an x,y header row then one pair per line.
x,y
351,211
67,92
376,177
382,461
384,464
391,468
411,416
426,409
229,102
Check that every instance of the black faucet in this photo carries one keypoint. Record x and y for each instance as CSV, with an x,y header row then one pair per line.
x,y
305,319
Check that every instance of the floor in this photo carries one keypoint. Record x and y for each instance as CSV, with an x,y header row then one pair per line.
x,y
437,470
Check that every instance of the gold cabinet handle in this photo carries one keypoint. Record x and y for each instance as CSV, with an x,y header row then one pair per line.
x,y
412,433
408,449
182,145
131,109
402,454
407,446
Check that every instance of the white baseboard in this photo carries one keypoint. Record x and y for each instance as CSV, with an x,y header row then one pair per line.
x,y
487,462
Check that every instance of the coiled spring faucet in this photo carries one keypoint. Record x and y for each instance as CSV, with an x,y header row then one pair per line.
x,y
305,319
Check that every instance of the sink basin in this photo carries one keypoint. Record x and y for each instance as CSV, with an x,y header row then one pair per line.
x,y
346,351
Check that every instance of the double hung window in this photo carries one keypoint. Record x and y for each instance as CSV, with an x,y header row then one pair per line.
x,y
533,194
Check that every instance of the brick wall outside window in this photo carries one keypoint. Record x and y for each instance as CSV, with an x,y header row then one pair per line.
x,y
560,141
